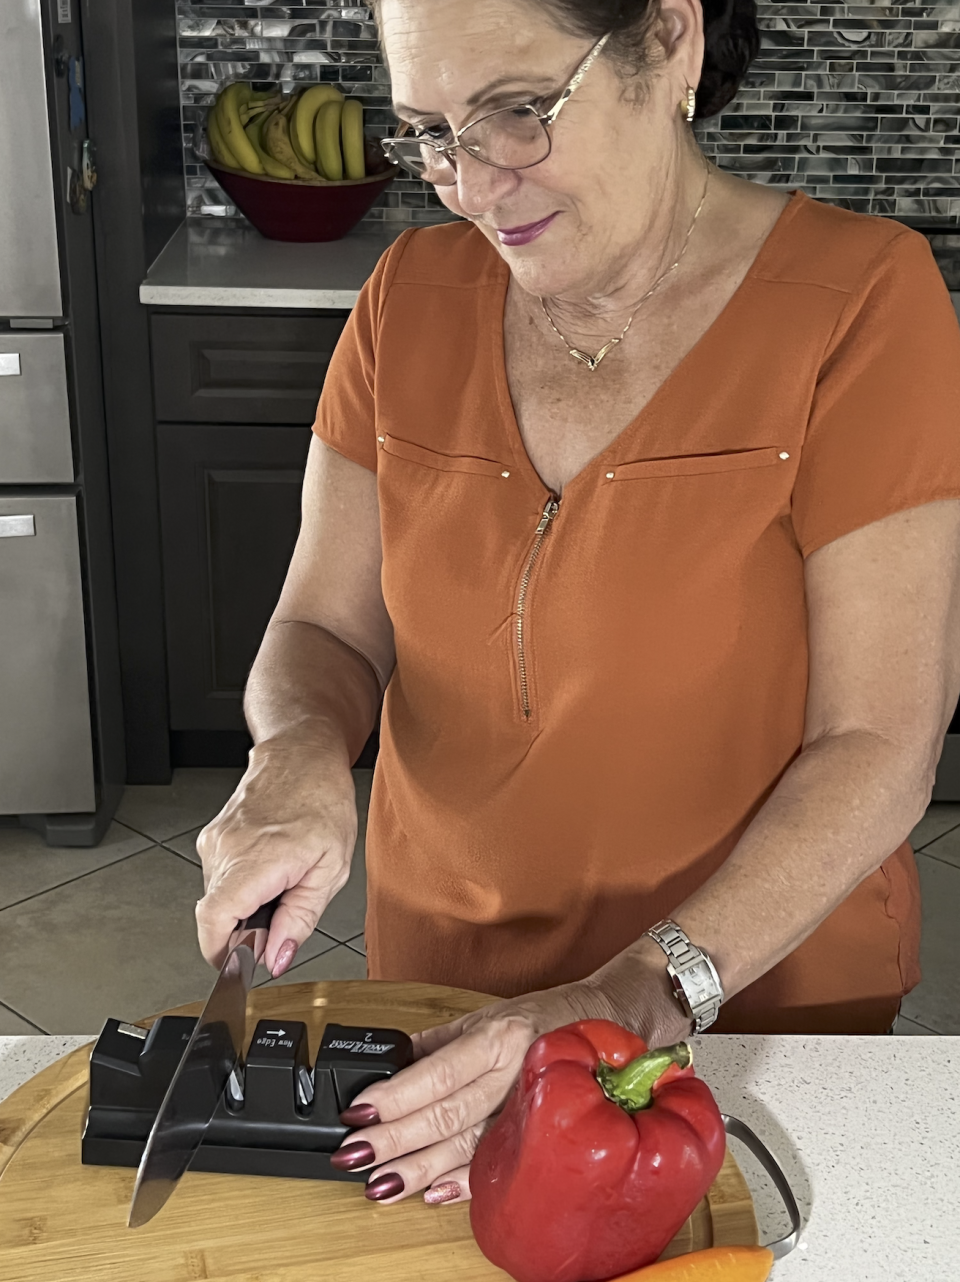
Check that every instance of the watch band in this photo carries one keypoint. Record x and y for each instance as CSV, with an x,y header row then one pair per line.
x,y
682,955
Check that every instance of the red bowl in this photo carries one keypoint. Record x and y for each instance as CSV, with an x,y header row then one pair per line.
x,y
287,209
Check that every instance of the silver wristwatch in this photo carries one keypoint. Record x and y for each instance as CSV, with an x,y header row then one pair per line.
x,y
696,984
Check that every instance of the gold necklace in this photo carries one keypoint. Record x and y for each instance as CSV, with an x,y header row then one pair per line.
x,y
592,362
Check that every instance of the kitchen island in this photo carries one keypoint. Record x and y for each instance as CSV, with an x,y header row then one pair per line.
x,y
866,1129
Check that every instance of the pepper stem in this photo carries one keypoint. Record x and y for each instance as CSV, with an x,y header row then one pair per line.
x,y
632,1086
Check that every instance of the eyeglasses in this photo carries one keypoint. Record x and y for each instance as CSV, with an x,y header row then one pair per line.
x,y
511,138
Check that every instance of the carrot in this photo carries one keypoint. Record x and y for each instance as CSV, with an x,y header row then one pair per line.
x,y
718,1264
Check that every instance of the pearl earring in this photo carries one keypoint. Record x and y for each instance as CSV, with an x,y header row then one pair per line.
x,y
688,104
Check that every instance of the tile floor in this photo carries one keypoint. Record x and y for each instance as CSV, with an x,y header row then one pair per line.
x,y
86,934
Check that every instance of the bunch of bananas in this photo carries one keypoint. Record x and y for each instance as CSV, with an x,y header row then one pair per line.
x,y
315,135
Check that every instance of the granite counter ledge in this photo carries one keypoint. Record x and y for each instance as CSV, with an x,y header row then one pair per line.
x,y
23,1057
209,263
213,263
867,1130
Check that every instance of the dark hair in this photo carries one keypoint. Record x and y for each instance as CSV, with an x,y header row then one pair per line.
x,y
731,39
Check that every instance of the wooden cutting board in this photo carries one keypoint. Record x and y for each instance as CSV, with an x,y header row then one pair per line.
x,y
60,1220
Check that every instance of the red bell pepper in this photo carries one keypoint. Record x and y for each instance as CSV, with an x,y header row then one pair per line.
x,y
601,1152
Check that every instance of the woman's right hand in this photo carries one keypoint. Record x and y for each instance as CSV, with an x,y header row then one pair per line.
x,y
288,830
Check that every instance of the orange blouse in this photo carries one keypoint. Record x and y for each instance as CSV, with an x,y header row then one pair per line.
x,y
592,700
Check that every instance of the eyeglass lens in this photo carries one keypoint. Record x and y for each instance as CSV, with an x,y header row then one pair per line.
x,y
514,138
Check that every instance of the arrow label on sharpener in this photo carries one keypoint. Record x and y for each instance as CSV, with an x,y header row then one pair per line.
x,y
275,1032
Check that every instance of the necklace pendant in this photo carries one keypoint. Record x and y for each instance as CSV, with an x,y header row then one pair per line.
x,y
592,362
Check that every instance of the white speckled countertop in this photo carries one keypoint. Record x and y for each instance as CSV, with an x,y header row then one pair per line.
x,y
867,1130
209,263
212,264
22,1057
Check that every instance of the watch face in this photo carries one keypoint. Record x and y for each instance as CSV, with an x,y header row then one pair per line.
x,y
699,983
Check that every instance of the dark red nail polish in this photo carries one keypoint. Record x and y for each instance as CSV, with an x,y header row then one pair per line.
x,y
353,1156
384,1186
360,1115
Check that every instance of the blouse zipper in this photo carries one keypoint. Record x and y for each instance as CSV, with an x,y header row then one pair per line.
x,y
549,512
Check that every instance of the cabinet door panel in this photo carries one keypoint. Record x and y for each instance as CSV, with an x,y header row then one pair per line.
x,y
230,509
241,369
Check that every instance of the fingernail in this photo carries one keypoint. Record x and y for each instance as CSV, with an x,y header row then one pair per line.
x,y
360,1115
352,1157
384,1186
447,1192
288,950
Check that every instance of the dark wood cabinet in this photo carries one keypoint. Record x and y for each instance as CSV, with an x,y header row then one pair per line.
x,y
230,512
234,396
241,369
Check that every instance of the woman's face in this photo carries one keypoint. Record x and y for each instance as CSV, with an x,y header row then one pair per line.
x,y
597,191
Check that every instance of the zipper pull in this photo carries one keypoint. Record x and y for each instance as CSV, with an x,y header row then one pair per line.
x,y
549,512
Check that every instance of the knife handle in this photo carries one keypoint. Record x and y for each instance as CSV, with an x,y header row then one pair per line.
x,y
261,919
259,923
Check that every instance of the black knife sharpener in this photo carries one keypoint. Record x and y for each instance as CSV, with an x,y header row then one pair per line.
x,y
277,1115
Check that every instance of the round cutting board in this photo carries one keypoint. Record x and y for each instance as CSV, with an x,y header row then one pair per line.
x,y
61,1220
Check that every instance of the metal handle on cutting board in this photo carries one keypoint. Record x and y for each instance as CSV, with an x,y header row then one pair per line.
x,y
742,1132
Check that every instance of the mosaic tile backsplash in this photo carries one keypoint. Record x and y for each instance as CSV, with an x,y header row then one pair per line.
x,y
859,104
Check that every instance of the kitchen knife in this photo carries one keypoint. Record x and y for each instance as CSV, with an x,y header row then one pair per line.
x,y
204,1069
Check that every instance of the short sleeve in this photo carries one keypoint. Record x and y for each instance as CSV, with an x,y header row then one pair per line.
x,y
347,413
884,427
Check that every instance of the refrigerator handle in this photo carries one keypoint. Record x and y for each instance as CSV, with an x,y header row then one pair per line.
x,y
17,527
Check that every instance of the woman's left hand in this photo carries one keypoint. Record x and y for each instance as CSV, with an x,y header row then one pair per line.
x,y
429,1118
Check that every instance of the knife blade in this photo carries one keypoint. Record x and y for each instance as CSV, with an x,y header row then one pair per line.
x,y
210,1057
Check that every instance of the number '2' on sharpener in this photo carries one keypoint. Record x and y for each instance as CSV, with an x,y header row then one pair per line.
x,y
277,1116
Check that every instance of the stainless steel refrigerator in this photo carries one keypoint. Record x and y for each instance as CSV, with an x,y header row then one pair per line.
x,y
61,751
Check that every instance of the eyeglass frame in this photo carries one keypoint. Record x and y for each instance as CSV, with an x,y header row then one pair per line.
x,y
547,119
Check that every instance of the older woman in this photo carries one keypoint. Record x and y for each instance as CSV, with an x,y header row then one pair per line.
x,y
636,491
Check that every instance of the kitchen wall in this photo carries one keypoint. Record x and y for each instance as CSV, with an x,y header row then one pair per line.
x,y
859,104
